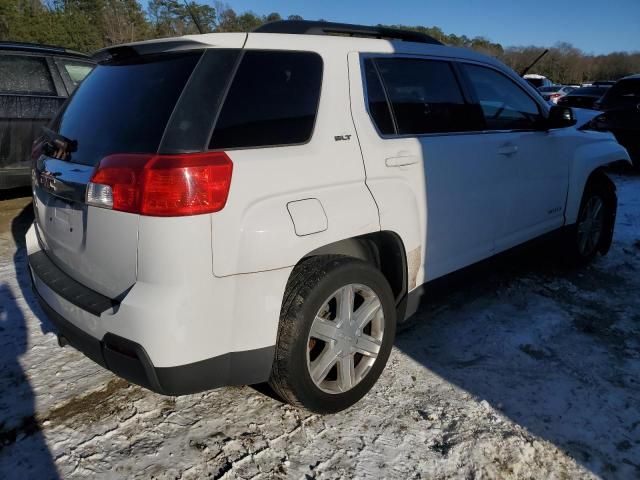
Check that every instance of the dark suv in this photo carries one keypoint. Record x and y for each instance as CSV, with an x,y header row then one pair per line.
x,y
621,107
35,80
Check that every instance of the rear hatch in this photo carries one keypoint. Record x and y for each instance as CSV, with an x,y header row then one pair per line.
x,y
125,106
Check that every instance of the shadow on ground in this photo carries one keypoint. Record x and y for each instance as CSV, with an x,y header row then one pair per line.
x,y
23,449
553,349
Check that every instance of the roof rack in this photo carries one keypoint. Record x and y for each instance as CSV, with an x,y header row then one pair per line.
x,y
308,27
39,48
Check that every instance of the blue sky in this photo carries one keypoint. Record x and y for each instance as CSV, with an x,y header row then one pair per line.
x,y
595,26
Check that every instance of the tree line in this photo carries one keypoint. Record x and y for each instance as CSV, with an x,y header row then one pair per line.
x,y
88,25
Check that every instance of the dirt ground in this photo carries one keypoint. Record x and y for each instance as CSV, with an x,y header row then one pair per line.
x,y
522,369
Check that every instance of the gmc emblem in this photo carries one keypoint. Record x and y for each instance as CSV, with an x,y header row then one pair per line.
x,y
48,181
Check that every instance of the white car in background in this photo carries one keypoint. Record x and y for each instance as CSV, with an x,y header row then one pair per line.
x,y
555,92
229,209
537,81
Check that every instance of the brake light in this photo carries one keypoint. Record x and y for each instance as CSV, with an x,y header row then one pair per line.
x,y
162,185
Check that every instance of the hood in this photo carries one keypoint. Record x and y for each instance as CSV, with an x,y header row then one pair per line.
x,y
584,116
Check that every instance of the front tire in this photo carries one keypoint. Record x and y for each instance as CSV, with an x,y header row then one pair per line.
x,y
337,327
593,230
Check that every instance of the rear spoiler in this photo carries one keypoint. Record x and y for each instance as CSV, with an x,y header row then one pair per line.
x,y
130,50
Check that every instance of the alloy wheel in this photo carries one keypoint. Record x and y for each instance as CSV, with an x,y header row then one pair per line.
x,y
591,226
345,338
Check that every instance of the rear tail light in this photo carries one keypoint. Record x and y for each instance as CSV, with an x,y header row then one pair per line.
x,y
162,185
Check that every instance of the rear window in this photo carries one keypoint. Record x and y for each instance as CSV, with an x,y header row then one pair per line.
x,y
536,82
625,90
273,100
25,75
124,106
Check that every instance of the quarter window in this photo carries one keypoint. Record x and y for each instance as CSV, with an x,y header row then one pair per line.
x,y
25,75
426,97
273,100
76,71
504,104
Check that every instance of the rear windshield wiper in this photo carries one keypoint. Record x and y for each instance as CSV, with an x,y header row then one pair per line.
x,y
58,146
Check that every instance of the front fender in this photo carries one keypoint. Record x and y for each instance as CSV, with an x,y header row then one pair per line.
x,y
586,159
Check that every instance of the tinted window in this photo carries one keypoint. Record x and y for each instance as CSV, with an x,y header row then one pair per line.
x,y
272,100
625,91
378,106
25,75
504,104
550,89
536,82
426,96
123,107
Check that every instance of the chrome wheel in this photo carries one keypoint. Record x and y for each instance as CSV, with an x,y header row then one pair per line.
x,y
345,338
591,226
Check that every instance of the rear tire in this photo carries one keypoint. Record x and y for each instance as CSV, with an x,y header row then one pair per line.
x,y
337,327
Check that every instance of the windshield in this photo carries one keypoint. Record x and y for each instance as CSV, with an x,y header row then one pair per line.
x,y
124,107
550,89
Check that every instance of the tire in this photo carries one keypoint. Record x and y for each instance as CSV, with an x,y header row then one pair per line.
x,y
592,234
315,289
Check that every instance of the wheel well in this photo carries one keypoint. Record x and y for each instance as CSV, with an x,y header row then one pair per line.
x,y
599,176
384,249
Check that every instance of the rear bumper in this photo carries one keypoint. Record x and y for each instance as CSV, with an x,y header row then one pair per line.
x,y
129,360
75,310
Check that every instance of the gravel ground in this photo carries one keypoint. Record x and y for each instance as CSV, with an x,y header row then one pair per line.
x,y
521,370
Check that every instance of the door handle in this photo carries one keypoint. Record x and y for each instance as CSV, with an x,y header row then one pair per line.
x,y
508,150
401,161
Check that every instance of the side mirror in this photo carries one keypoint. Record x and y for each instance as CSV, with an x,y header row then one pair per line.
x,y
561,117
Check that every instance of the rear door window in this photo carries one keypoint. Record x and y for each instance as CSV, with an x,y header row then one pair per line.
x,y
124,106
426,97
25,75
379,108
273,100
504,104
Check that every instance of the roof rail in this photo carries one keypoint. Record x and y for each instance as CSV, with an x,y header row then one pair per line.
x,y
40,48
308,27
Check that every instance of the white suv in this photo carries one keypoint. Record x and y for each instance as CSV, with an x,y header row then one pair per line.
x,y
229,209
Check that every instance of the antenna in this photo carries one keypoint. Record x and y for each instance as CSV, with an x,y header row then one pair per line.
x,y
523,73
193,17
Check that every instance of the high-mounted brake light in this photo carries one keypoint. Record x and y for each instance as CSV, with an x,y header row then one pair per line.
x,y
162,185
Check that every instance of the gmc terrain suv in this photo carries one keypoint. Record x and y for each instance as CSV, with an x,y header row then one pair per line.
x,y
229,209
35,80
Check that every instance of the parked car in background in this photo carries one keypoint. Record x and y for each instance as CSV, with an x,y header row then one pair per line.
x,y
555,92
35,80
214,244
584,97
537,81
621,107
604,83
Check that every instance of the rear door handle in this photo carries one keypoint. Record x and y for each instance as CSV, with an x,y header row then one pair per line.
x,y
401,161
508,150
